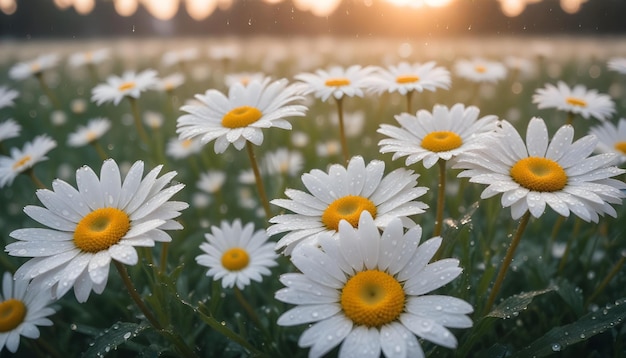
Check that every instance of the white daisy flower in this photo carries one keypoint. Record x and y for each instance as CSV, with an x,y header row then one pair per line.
x,y
559,173
179,149
240,116
7,96
24,159
24,70
131,84
153,119
328,149
405,77
94,57
170,83
576,100
9,129
480,70
243,78
224,52
342,194
336,82
369,293
103,220
23,307
211,181
175,57
354,122
611,138
93,131
236,254
617,64
284,162
443,134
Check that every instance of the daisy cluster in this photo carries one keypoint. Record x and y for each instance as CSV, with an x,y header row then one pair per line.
x,y
365,202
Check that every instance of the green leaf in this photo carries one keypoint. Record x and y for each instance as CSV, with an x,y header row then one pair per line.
x,y
589,325
571,295
516,303
113,337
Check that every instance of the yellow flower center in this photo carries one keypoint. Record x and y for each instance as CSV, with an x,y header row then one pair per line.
x,y
12,314
126,86
186,143
441,141
337,82
25,159
101,229
621,146
35,67
348,208
91,136
372,298
539,174
407,79
235,259
480,69
576,102
241,117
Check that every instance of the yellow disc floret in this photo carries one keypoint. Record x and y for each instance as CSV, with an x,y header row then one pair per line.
x,y
25,159
241,117
126,86
480,69
235,259
101,229
407,79
578,102
348,208
539,174
441,141
337,82
372,298
621,147
12,314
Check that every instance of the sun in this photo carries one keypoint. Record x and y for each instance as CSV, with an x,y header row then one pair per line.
x,y
420,3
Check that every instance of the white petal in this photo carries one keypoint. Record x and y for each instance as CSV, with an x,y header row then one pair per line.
x,y
124,254
308,313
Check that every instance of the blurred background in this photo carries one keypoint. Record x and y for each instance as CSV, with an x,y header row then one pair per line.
x,y
37,19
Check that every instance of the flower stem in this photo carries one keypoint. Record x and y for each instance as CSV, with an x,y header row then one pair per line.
x,y
137,117
249,310
163,260
46,90
101,152
31,173
614,271
409,96
259,181
135,296
441,191
342,131
570,118
507,260
572,237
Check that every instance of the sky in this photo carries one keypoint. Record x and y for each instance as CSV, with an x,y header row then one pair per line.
x,y
400,18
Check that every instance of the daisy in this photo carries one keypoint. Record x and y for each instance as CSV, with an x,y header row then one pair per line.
x,y
336,82
176,57
33,68
90,133
130,84
557,173
480,70
170,83
84,58
284,162
237,254
211,181
342,194
576,100
611,138
617,64
179,149
24,307
243,78
7,96
103,220
443,134
9,129
406,78
240,117
370,294
23,160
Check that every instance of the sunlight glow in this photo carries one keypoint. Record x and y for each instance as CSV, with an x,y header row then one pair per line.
x,y
162,9
420,3
8,7
84,7
571,6
200,9
317,7
125,7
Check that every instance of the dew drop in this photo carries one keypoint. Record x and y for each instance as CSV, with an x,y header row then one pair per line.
x,y
556,347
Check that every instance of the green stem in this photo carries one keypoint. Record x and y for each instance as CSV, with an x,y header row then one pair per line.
x,y
163,261
441,191
135,295
409,96
342,131
137,117
571,239
249,310
570,118
614,271
259,181
101,152
506,262
31,173
46,90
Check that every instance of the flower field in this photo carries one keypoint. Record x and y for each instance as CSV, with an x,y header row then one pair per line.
x,y
294,197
